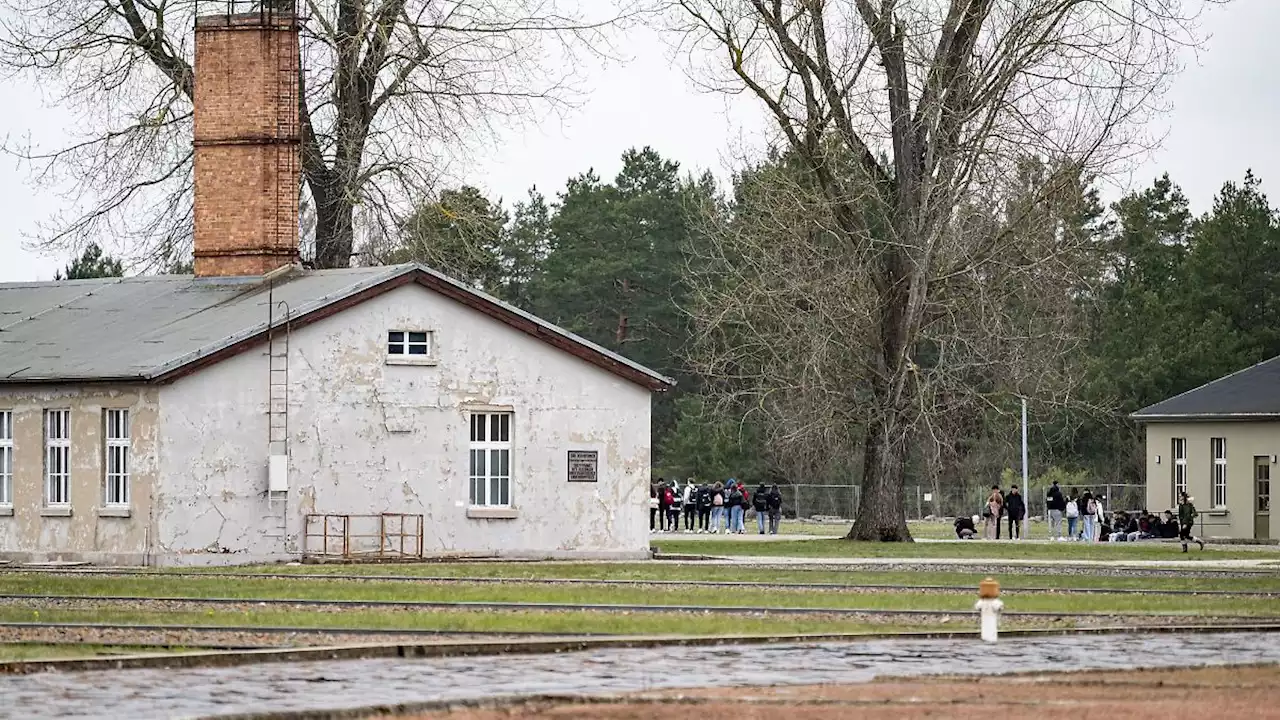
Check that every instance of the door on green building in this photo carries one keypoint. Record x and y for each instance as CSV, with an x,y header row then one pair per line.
x,y
1262,497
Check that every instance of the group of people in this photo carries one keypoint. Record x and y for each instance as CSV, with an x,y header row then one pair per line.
x,y
712,508
1086,519
998,505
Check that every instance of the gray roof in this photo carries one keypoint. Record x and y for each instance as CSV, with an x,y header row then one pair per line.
x,y
1249,394
145,328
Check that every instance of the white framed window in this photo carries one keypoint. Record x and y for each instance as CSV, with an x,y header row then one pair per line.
x,y
116,459
1219,447
6,457
409,343
490,464
1179,468
57,457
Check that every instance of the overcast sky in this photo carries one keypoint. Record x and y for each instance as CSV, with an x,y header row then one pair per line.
x,y
1226,111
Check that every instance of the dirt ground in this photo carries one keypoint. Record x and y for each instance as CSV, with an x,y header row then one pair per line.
x,y
1239,692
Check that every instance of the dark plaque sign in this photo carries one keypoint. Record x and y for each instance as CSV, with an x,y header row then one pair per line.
x,y
583,465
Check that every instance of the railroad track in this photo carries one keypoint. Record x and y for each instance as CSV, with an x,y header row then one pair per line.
x,y
721,584
281,630
134,600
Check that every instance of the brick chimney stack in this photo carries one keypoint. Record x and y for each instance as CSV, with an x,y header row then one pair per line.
x,y
247,169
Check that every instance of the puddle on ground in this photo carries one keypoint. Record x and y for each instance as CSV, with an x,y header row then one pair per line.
x,y
331,685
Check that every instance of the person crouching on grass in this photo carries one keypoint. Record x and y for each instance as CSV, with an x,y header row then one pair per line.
x,y
1187,520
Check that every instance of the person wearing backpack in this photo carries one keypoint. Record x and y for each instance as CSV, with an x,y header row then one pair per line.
x,y
688,501
1073,514
736,510
673,510
704,508
665,498
717,508
761,504
774,505
1088,513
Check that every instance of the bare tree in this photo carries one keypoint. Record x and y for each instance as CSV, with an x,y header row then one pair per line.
x,y
883,275
392,90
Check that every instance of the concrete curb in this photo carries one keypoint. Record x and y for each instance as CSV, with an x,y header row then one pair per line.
x,y
551,645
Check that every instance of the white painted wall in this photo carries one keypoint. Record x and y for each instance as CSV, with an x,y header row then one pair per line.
x,y
211,505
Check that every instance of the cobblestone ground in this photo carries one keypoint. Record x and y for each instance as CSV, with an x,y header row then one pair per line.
x,y
334,685
1131,695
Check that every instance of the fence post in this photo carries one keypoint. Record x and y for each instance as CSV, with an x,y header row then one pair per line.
x,y
919,506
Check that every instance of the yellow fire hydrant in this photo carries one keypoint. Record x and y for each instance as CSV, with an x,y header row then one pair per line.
x,y
989,607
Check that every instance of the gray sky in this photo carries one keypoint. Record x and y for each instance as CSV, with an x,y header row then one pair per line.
x,y
1226,109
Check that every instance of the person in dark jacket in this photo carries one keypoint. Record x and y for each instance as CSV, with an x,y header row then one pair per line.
x,y
1186,521
1056,504
704,508
735,504
1015,507
965,529
665,498
774,504
760,502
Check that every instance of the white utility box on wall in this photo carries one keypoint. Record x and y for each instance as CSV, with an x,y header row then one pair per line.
x,y
278,474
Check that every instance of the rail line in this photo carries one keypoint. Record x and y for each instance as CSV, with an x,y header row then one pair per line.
x,y
581,607
283,630
604,582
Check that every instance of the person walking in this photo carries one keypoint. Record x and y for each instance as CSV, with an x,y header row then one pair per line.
x,y
761,504
1016,509
1073,515
1186,521
704,508
774,504
1056,505
1088,515
717,507
1101,515
995,506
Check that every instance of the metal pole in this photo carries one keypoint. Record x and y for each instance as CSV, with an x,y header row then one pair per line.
x,y
1026,491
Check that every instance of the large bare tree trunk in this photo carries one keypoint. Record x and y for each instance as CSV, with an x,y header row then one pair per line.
x,y
881,511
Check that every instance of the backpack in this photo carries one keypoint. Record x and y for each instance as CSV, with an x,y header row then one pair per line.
x,y
746,500
718,500
704,497
1073,510
760,502
667,497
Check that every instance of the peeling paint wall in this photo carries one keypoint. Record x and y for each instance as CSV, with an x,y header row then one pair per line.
x,y
368,437
85,534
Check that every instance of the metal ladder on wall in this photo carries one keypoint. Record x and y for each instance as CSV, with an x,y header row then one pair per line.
x,y
277,411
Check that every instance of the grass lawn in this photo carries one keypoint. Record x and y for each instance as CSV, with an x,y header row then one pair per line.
x,y
723,573
833,548
196,588
462,621
34,651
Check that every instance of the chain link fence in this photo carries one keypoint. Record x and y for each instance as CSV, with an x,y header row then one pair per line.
x,y
807,501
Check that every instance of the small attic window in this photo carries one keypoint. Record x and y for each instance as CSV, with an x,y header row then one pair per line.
x,y
408,346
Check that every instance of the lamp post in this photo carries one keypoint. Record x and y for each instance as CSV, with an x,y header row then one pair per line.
x,y
1026,491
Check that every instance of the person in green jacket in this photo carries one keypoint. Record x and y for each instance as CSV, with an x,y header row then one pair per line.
x,y
1186,520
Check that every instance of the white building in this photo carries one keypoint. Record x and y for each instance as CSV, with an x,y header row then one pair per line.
x,y
260,411
136,421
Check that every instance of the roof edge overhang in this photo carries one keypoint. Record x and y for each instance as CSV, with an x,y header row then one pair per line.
x,y
1206,417
452,289
19,381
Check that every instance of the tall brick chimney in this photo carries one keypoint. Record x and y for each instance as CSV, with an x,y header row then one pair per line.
x,y
247,169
